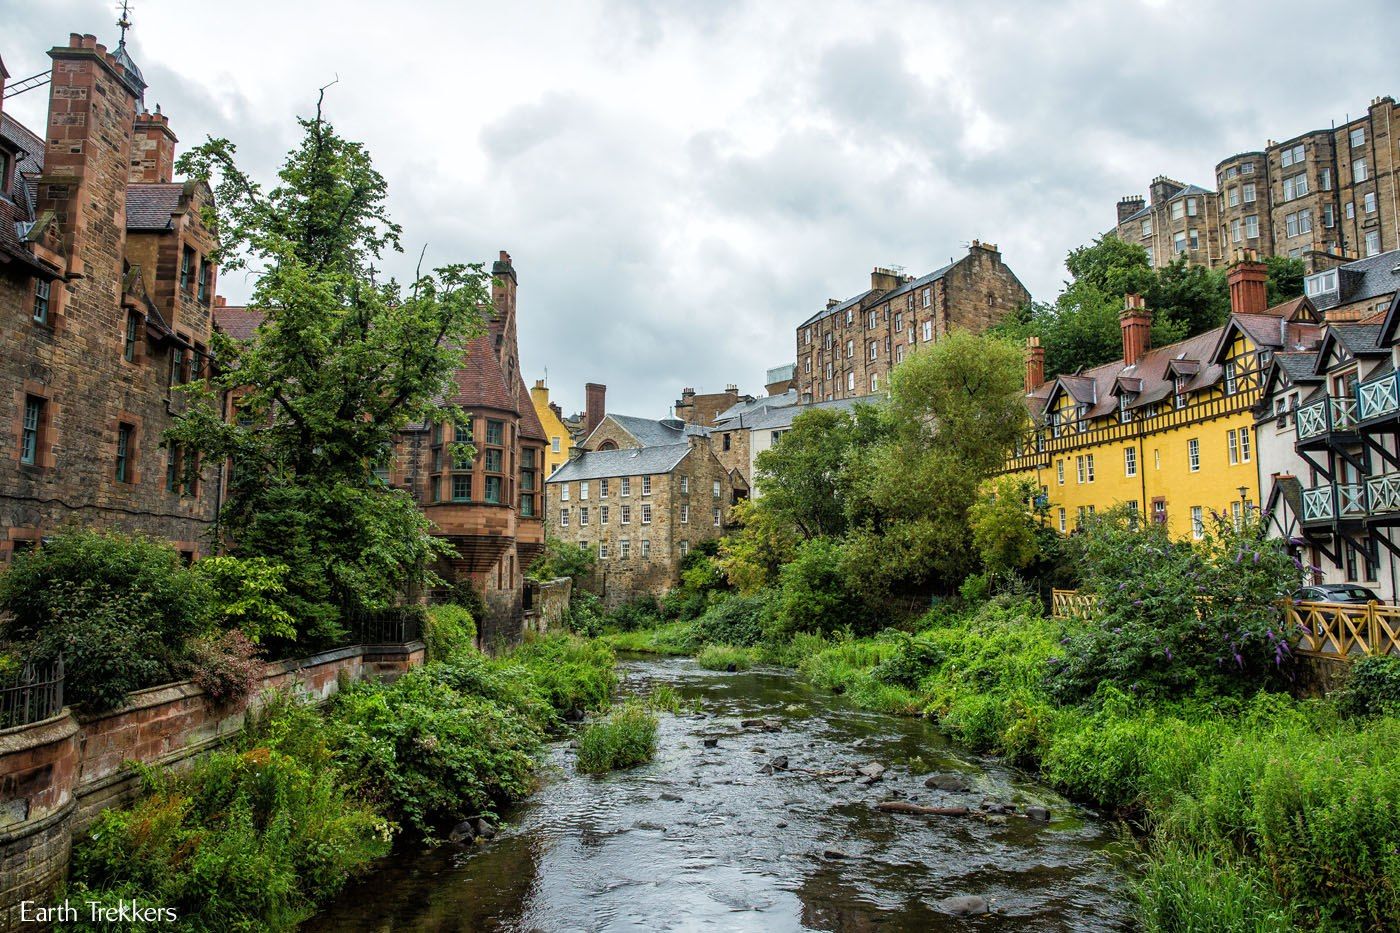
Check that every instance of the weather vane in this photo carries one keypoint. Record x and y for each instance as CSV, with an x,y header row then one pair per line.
x,y
125,22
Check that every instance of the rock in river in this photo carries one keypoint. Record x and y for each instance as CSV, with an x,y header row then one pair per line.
x,y
873,770
965,905
1039,814
711,741
954,783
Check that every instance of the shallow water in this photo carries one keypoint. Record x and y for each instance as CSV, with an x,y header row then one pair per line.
x,y
745,850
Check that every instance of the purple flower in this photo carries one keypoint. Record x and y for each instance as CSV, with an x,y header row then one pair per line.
x,y
1169,654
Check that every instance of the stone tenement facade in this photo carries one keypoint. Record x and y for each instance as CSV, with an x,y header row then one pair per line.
x,y
705,409
1325,197
849,348
640,510
106,290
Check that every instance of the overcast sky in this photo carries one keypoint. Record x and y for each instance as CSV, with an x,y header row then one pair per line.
x,y
682,182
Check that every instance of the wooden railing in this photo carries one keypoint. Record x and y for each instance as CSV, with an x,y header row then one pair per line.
x,y
1327,630
1072,604
1344,630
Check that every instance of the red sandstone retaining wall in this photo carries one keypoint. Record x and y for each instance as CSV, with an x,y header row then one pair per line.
x,y
57,775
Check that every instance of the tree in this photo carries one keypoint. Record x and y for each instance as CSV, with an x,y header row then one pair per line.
x,y
801,476
1006,525
752,554
955,409
1285,278
562,559
343,361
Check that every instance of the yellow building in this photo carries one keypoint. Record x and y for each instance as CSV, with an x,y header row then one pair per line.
x,y
556,454
1168,430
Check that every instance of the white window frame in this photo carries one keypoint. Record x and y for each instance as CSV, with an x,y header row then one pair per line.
x,y
1193,455
1130,461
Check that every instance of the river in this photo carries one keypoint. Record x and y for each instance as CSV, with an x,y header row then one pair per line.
x,y
703,838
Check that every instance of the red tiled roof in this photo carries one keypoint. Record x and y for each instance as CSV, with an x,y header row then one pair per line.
x,y
237,323
530,425
479,381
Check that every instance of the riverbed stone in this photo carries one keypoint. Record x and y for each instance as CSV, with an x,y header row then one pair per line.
x,y
952,783
780,763
1039,814
711,741
964,905
672,798
463,833
834,853
873,770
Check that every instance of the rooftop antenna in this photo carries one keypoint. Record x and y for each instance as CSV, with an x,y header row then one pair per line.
x,y
125,22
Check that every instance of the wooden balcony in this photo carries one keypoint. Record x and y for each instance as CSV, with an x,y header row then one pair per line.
x,y
1378,402
1327,421
1334,503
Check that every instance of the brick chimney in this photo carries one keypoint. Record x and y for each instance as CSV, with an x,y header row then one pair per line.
x,y
152,149
1136,322
87,158
594,406
1249,285
1035,364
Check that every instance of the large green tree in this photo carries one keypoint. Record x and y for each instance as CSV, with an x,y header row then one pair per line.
x,y
344,359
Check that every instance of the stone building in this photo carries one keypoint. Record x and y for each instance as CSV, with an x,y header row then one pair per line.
x,y
705,408
556,431
1177,219
1325,196
848,348
640,510
106,293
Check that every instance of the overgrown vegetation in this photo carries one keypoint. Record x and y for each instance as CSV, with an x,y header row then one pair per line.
x,y
626,738
254,837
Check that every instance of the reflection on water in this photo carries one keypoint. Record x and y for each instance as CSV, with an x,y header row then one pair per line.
x,y
745,850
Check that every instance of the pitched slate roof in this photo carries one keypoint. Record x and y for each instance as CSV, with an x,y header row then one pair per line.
x,y
838,307
782,418
27,140
739,414
1366,278
149,206
652,432
629,461
237,323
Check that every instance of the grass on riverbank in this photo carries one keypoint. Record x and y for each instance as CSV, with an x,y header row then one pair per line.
x,y
256,836
1262,813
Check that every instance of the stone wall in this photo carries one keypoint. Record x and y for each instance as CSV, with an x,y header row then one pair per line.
x,y
549,612
56,776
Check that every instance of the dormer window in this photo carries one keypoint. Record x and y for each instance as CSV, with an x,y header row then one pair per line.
x,y
1231,384
1125,414
1055,425
1179,385
1322,283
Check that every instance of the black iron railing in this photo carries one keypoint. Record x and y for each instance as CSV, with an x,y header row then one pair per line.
x,y
33,694
387,627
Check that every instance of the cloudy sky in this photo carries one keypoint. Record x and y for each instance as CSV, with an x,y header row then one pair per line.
x,y
681,182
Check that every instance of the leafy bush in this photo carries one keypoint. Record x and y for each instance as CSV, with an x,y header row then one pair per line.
x,y
430,755
1176,617
813,595
562,559
1372,688
118,608
911,662
248,593
586,615
570,674
243,841
736,620
639,612
225,666
625,739
448,629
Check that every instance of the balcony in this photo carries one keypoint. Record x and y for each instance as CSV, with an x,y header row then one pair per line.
x,y
1383,497
1379,400
1318,422
1339,502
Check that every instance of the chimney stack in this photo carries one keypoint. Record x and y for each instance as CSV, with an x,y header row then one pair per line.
x,y
1035,364
1136,322
152,149
1129,206
595,404
1249,285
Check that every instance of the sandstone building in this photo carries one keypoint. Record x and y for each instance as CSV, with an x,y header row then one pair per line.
x,y
106,293
640,509
1325,196
848,348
